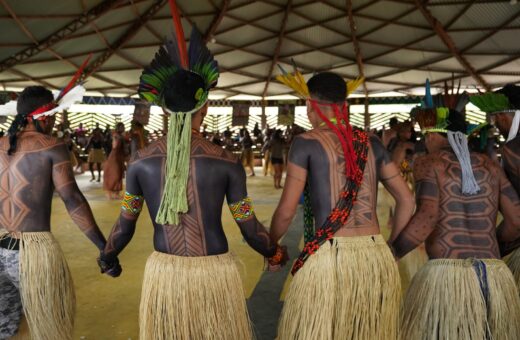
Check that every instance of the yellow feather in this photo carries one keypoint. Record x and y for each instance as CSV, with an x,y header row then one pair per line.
x,y
296,82
352,85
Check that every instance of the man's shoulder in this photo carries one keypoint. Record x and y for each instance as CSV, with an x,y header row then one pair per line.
x,y
429,162
316,133
32,142
202,148
156,148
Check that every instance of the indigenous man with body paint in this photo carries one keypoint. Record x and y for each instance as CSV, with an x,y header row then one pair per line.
x,y
503,107
34,277
192,288
346,284
464,291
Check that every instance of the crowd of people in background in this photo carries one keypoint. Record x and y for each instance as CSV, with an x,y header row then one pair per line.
x,y
104,150
108,150
267,148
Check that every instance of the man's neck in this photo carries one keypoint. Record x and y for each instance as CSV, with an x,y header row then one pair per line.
x,y
29,128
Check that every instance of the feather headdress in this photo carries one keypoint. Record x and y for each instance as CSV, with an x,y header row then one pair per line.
x,y
434,111
72,93
444,114
491,102
507,99
297,83
179,81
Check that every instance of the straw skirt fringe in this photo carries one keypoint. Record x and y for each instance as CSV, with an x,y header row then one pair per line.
x,y
349,289
445,301
513,262
193,298
46,287
412,262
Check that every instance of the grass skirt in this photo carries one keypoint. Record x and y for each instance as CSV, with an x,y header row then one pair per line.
x,y
46,287
96,156
513,262
446,300
349,289
193,298
412,262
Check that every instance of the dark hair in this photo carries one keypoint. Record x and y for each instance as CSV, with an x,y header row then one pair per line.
x,y
181,90
328,86
456,122
512,92
393,121
30,99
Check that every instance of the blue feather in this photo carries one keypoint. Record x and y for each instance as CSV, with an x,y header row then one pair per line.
x,y
428,100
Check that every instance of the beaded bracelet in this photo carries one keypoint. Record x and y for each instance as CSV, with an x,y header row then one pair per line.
x,y
278,257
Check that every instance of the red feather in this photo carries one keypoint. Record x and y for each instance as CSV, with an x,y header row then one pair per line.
x,y
181,42
74,79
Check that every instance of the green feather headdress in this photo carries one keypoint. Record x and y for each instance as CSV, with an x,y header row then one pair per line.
x,y
491,102
175,70
433,114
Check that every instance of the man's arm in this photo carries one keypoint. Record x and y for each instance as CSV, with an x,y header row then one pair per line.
x,y
124,228
426,216
389,175
293,188
241,207
76,204
508,232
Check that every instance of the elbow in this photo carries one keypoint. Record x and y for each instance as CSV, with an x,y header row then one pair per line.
x,y
406,204
285,214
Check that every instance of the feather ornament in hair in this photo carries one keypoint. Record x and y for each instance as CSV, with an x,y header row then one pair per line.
x,y
294,81
428,100
491,102
352,85
9,108
73,96
461,102
154,77
201,61
179,33
74,79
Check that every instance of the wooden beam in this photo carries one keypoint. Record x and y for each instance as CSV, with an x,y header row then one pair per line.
x,y
57,36
359,56
216,21
129,34
276,53
448,41
28,77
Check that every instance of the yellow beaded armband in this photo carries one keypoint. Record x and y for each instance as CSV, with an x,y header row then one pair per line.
x,y
132,204
242,210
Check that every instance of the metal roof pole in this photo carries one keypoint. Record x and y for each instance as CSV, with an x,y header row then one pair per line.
x,y
367,114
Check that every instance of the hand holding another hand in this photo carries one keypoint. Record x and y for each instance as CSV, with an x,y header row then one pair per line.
x,y
111,267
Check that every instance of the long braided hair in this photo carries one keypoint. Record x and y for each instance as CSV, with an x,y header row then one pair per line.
x,y
328,90
31,98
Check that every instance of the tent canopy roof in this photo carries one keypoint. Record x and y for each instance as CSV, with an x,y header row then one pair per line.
x,y
397,44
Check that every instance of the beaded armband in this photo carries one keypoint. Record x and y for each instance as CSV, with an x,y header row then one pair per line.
x,y
132,204
242,210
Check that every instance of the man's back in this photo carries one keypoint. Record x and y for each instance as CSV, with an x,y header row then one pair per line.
x,y
319,151
213,173
26,181
466,225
